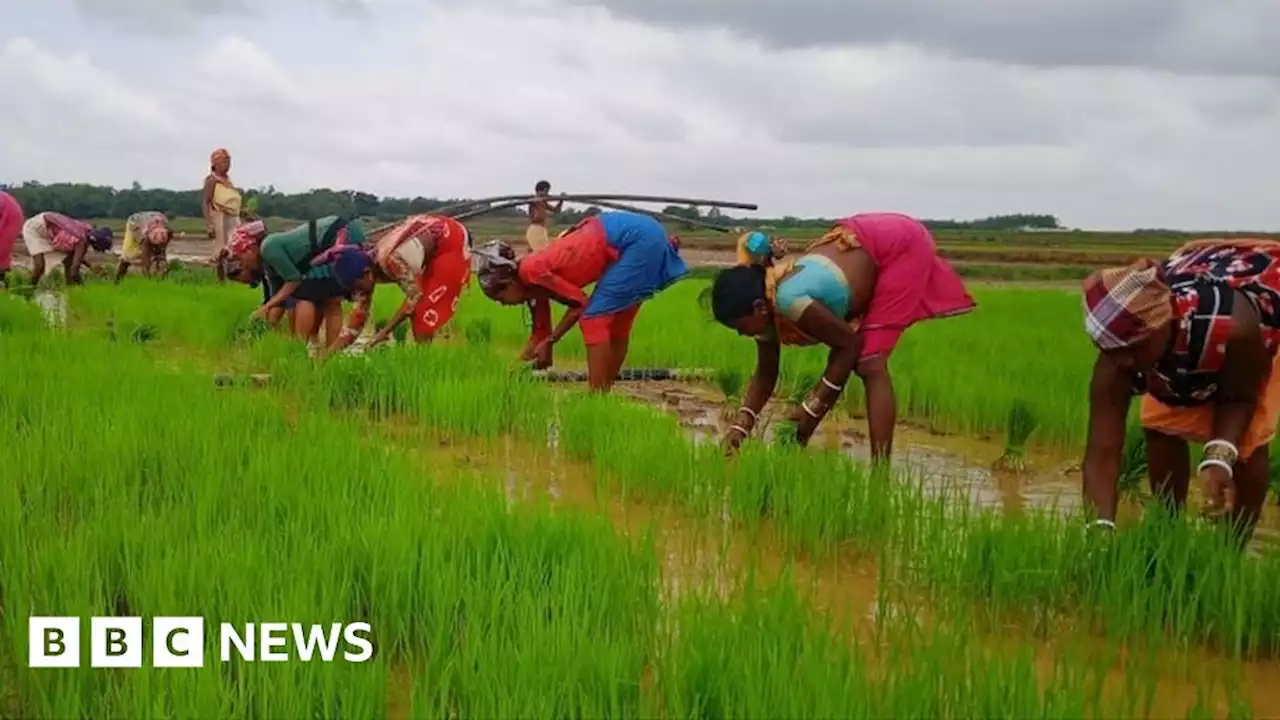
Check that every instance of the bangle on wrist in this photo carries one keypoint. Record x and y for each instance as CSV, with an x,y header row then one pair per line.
x,y
1214,462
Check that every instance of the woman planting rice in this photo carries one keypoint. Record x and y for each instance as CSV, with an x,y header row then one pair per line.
x,y
11,219
855,290
284,261
55,238
1197,334
630,258
146,237
250,234
426,256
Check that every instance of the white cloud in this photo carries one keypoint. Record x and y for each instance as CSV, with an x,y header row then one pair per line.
x,y
453,99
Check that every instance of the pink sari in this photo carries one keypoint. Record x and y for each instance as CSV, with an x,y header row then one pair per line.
x,y
912,282
11,220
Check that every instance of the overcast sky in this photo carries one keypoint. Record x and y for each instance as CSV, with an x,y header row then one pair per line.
x,y
1109,113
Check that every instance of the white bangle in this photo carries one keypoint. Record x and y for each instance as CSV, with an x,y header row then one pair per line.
x,y
1109,524
812,414
1234,450
749,411
740,429
831,385
1216,462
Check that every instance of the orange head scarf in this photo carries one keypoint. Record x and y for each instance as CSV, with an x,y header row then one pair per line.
x,y
218,157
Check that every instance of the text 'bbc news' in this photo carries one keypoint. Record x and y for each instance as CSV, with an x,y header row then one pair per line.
x,y
179,642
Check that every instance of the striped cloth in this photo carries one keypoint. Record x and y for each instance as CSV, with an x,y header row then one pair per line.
x,y
1123,305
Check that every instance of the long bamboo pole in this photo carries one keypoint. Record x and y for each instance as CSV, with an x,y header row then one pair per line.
x,y
597,196
509,201
602,203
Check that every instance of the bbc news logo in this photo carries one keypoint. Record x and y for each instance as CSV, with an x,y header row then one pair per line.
x,y
178,642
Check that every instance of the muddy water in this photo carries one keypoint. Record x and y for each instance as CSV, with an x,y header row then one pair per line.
x,y
703,556
710,556
940,463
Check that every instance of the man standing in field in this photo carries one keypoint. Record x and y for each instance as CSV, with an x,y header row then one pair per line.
x,y
536,236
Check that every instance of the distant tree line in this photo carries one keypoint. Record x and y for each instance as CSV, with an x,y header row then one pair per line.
x,y
82,200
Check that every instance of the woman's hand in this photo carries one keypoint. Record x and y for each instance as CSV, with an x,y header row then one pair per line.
x,y
1219,491
731,442
819,401
260,313
542,354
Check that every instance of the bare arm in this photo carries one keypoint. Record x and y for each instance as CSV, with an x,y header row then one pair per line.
x,y
1243,372
571,317
206,200
824,326
759,390
765,379
408,282
355,323
1110,391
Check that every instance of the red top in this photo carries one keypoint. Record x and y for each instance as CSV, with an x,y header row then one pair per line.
x,y
571,263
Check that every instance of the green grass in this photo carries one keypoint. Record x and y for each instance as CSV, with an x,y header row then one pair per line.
x,y
139,485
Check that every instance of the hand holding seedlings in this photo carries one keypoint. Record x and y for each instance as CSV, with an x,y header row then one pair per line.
x,y
1219,486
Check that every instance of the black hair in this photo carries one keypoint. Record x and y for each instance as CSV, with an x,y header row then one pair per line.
x,y
542,185
735,291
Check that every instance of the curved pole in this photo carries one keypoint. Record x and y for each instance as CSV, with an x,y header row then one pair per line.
x,y
502,202
665,216
575,197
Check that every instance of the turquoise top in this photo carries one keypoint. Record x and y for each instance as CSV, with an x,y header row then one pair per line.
x,y
816,278
287,253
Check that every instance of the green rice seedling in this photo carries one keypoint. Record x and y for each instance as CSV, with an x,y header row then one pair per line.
x,y
18,277
1022,423
17,316
799,386
730,383
170,521
479,331
251,330
1040,567
143,334
1133,460
401,333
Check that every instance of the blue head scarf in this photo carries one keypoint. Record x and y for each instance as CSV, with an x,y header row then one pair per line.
x,y
349,264
100,238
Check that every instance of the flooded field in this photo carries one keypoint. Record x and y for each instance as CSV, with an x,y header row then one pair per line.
x,y
522,546
717,557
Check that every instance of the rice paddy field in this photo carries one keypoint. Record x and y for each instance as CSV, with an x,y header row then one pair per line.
x,y
523,549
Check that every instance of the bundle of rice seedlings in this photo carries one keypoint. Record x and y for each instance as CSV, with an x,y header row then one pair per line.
x,y
730,383
251,330
479,331
1022,423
